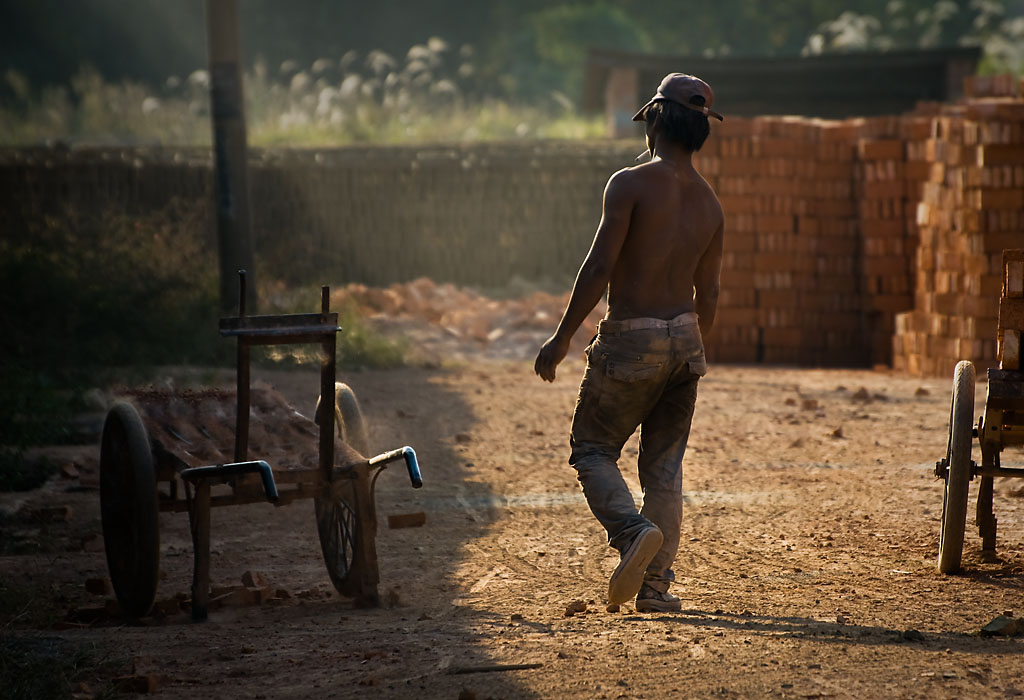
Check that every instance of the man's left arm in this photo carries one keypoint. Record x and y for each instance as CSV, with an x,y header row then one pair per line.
x,y
594,274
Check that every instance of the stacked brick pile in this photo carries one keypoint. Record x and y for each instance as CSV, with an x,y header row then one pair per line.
x,y
971,209
736,336
890,169
915,130
885,267
1011,309
789,289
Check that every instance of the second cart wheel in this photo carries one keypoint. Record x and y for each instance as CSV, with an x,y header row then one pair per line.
x,y
129,510
958,475
349,418
337,520
337,526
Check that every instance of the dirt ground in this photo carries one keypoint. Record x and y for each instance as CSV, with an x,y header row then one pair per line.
x,y
807,565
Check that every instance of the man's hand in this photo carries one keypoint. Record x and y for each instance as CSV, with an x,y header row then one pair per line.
x,y
551,353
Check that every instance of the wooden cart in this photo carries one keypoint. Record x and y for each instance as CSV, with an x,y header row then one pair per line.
x,y
1000,426
148,466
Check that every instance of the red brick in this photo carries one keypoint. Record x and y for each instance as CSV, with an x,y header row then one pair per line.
x,y
880,149
1000,154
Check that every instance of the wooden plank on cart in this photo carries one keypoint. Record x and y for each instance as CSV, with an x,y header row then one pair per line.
x,y
1005,389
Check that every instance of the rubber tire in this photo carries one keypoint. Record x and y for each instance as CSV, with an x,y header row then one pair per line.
x,y
958,476
336,521
129,510
349,418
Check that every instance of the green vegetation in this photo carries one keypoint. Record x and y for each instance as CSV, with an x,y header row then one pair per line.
x,y
78,295
33,411
523,49
35,667
512,70
19,474
903,24
116,290
424,99
50,668
360,346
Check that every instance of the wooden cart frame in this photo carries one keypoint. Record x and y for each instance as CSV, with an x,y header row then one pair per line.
x,y
132,467
1000,426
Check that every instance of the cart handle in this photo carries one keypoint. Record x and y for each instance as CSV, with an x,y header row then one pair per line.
x,y
225,471
411,463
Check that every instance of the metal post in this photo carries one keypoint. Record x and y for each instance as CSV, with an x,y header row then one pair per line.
x,y
984,516
242,380
201,546
229,145
328,376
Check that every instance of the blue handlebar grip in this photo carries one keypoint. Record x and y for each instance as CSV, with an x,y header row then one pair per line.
x,y
413,466
224,472
267,475
411,463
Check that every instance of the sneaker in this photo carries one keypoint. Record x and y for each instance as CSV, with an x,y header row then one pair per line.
x,y
629,574
650,600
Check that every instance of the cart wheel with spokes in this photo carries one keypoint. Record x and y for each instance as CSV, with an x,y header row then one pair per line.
x,y
337,520
958,472
129,510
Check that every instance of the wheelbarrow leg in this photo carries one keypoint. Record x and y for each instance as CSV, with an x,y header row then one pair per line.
x,y
366,547
201,547
986,519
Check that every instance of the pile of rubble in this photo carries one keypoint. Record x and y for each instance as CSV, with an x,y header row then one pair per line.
x,y
443,322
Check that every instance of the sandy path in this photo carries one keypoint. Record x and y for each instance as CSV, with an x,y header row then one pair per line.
x,y
805,556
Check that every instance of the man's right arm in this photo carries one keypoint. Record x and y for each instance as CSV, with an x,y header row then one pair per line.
x,y
592,279
706,282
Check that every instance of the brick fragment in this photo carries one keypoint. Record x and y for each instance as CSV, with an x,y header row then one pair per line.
x,y
255,579
403,520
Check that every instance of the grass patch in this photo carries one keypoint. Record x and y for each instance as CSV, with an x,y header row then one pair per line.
x,y
110,290
45,668
33,411
31,606
362,347
377,102
20,474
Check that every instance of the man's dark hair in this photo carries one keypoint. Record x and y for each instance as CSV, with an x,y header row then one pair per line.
x,y
678,124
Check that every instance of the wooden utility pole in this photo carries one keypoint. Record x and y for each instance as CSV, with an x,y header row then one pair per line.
x,y
230,149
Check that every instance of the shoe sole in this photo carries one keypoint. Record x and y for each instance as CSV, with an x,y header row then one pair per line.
x,y
629,574
644,605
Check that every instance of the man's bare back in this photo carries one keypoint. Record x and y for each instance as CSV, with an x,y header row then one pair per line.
x,y
674,220
658,251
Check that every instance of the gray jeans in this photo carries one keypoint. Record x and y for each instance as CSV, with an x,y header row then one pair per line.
x,y
646,377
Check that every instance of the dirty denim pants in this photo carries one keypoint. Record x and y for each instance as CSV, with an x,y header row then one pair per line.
x,y
647,377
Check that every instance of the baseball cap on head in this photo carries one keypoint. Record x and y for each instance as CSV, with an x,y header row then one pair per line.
x,y
680,88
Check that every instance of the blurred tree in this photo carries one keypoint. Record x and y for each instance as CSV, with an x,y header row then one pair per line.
x,y
909,24
48,40
547,50
524,48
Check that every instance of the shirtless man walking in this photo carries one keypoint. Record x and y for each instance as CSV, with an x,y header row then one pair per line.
x,y
658,251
